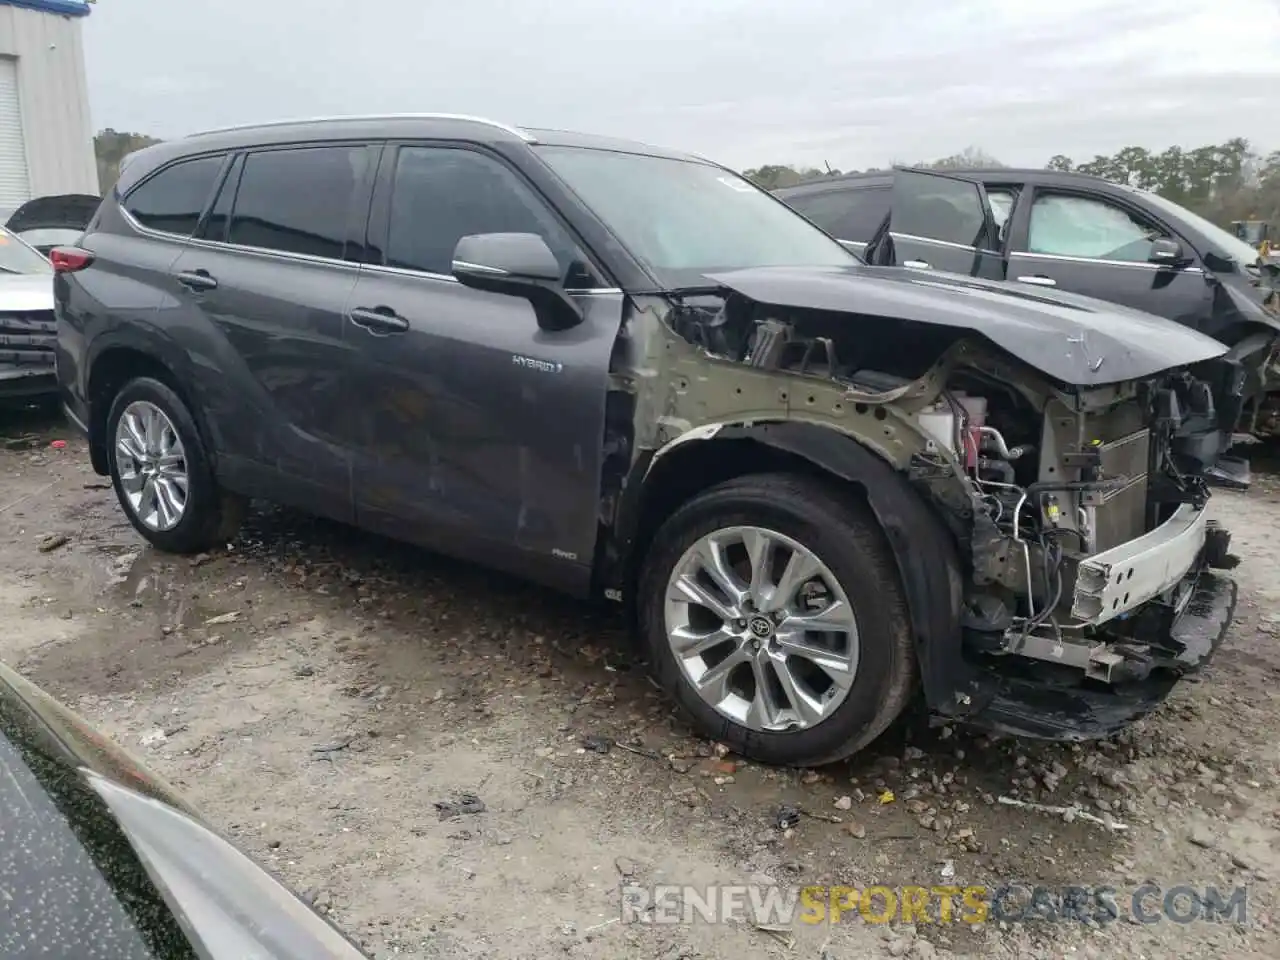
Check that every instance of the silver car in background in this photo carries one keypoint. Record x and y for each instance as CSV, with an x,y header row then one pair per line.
x,y
27,328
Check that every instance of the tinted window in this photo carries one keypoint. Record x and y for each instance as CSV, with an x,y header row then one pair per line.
x,y
442,195
215,224
174,198
298,201
846,214
937,208
1073,226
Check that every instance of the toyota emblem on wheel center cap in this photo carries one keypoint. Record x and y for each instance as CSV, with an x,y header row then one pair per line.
x,y
761,627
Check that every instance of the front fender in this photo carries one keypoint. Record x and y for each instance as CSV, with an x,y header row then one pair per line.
x,y
925,552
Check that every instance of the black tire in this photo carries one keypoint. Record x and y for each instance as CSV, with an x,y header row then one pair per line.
x,y
212,515
840,529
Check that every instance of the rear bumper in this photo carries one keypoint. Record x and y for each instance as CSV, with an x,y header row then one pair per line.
x,y
1048,711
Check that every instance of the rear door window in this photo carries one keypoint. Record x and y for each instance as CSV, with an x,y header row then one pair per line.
x,y
850,214
172,200
299,200
935,207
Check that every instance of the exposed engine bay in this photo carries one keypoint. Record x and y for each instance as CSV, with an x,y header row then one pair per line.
x,y
1079,509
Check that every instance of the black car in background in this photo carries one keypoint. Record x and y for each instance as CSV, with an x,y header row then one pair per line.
x,y
1069,231
99,858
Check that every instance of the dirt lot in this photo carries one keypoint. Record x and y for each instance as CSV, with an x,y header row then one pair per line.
x,y
316,691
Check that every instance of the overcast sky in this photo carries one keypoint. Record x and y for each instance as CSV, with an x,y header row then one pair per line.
x,y
856,83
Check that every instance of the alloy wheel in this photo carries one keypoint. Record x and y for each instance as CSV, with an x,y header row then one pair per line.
x,y
762,629
152,465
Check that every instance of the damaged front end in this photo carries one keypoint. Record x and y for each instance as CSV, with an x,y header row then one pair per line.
x,y
1093,586
1062,445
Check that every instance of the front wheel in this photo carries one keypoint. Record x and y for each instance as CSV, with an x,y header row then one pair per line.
x,y
771,610
161,471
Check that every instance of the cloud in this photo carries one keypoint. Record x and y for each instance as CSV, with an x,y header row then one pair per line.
x,y
854,82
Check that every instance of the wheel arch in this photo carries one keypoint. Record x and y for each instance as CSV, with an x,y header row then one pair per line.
x,y
934,591
118,360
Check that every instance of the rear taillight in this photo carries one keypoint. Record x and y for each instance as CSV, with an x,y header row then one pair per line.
x,y
69,259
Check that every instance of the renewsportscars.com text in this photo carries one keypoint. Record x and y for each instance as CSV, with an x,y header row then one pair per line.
x,y
1007,903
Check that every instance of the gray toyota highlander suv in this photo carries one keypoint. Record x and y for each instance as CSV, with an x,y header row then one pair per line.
x,y
819,486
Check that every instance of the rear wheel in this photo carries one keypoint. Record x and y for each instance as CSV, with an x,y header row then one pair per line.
x,y
771,611
161,471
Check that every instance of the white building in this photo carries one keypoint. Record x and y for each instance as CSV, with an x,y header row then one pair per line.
x,y
46,136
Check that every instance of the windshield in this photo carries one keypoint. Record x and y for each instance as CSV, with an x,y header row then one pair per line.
x,y
684,219
1223,242
17,257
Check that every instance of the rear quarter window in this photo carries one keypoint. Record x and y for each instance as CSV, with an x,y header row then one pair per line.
x,y
936,207
172,200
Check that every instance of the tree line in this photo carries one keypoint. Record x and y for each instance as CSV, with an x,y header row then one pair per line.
x,y
111,147
1222,182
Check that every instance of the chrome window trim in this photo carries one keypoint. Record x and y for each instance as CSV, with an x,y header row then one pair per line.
x,y
941,243
274,254
235,247
445,278
158,171
148,231
406,272
1140,264
323,261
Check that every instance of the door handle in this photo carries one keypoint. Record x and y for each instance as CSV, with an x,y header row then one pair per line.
x,y
918,264
196,280
1040,280
379,321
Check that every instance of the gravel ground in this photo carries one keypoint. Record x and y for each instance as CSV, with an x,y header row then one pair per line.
x,y
317,691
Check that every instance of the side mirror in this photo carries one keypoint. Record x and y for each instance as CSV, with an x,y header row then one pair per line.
x,y
518,265
1167,252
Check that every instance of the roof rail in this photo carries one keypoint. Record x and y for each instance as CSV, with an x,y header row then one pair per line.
x,y
508,128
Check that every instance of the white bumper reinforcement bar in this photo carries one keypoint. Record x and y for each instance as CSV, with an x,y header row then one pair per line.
x,y
1116,581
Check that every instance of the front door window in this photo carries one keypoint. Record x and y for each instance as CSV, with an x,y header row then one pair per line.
x,y
1073,226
